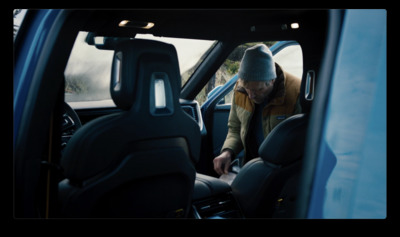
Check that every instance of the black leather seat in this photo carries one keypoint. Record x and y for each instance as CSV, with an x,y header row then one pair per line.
x,y
140,162
259,185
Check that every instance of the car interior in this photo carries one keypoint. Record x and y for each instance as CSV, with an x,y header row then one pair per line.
x,y
151,155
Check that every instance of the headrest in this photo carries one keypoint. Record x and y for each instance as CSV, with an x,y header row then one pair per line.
x,y
145,73
285,144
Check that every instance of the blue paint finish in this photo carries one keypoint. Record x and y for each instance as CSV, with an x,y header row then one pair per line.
x,y
278,46
355,125
27,60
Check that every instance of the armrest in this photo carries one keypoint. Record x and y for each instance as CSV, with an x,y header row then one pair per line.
x,y
208,186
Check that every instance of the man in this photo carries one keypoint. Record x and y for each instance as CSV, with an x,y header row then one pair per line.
x,y
263,97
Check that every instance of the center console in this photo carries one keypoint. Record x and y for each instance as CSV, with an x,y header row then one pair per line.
x,y
213,199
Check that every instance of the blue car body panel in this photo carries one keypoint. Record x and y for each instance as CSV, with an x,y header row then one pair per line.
x,y
350,178
27,59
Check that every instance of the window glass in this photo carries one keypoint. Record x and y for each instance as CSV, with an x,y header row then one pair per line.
x,y
191,52
18,15
290,59
87,75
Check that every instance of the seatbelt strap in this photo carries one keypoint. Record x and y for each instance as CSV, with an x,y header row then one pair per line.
x,y
50,165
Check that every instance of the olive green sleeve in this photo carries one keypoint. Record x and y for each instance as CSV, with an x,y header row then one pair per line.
x,y
233,141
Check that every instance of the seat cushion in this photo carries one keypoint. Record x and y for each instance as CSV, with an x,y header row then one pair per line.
x,y
208,186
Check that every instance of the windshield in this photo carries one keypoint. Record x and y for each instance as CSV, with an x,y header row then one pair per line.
x,y
87,75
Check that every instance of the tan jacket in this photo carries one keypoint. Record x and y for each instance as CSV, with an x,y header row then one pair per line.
x,y
284,104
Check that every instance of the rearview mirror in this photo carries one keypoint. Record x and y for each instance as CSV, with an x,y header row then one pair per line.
x,y
103,42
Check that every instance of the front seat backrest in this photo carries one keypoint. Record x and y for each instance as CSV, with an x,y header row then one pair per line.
x,y
260,181
139,162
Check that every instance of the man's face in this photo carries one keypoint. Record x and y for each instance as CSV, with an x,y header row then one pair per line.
x,y
258,91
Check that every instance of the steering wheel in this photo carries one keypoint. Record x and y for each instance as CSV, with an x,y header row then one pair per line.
x,y
70,124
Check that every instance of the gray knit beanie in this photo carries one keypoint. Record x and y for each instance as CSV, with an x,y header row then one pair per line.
x,y
257,64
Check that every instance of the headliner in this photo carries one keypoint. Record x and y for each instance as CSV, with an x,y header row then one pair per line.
x,y
207,24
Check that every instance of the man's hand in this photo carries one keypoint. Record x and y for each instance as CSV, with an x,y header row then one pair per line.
x,y
222,162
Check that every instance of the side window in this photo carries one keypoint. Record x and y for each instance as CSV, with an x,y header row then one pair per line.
x,y
290,58
18,16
